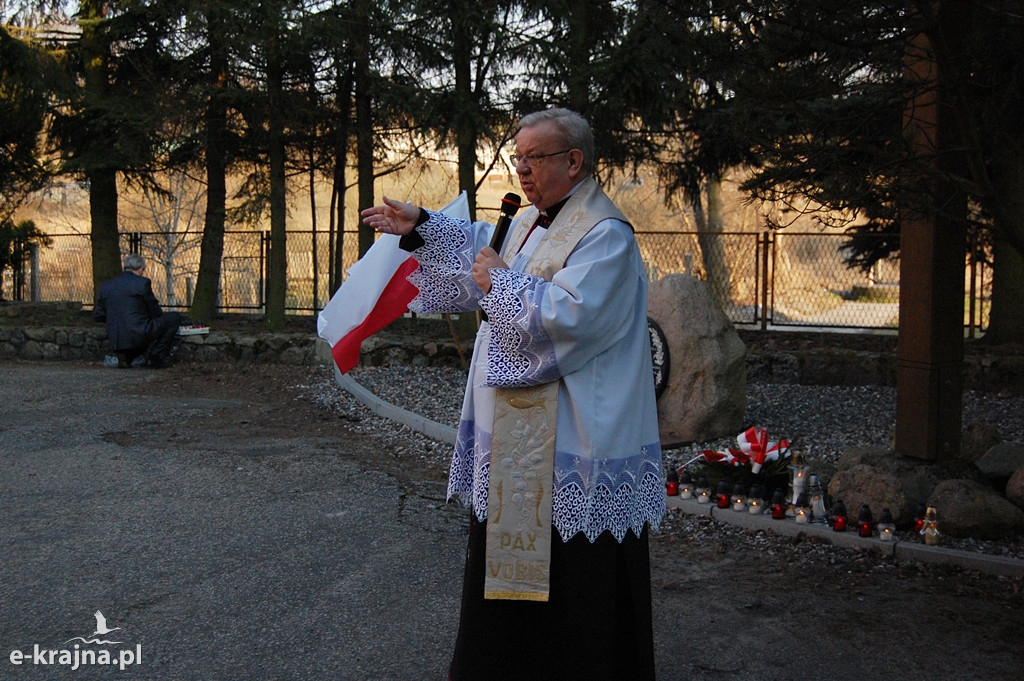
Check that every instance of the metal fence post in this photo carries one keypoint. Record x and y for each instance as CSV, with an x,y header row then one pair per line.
x,y
264,266
764,281
33,282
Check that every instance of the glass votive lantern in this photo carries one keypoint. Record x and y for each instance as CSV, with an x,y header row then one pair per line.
x,y
930,530
672,482
724,499
799,477
838,516
703,490
739,498
818,509
778,506
755,504
919,517
685,485
802,512
864,521
886,526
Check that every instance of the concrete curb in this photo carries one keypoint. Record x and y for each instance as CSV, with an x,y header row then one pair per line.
x,y
900,550
413,421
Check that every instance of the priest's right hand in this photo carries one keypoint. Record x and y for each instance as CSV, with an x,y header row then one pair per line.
x,y
393,217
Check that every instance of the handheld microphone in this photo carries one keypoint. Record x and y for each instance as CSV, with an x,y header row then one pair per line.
x,y
509,205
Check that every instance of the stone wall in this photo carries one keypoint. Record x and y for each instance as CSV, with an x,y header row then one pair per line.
x,y
47,343
62,331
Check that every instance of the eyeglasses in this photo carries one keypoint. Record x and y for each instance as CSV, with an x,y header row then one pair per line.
x,y
531,160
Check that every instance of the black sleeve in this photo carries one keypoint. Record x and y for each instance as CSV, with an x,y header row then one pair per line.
x,y
411,241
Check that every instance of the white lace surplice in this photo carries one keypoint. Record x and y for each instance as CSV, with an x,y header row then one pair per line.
x,y
586,328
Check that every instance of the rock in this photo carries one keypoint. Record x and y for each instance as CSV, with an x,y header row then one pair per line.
x,y
41,335
876,487
967,508
881,479
706,393
1015,488
1001,460
976,439
32,350
294,356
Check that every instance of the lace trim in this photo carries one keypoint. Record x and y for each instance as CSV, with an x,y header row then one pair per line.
x,y
520,352
445,261
615,495
468,473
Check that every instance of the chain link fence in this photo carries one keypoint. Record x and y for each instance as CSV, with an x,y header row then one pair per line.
x,y
763,279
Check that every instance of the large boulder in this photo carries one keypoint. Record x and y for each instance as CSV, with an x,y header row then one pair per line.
x,y
1000,462
967,508
878,477
705,396
976,439
1015,488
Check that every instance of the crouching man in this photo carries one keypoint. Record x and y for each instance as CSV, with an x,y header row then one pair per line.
x,y
138,331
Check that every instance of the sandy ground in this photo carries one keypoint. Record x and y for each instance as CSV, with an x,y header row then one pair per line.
x,y
239,530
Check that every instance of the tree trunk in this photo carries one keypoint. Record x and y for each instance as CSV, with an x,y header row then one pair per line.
x,y
465,116
578,52
277,280
1006,317
711,247
343,99
206,298
364,127
106,248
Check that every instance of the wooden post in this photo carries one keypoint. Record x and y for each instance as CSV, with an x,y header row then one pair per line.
x,y
929,356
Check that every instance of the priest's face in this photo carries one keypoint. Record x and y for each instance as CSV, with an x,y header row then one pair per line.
x,y
547,168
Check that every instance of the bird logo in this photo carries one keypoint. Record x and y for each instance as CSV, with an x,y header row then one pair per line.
x,y
101,630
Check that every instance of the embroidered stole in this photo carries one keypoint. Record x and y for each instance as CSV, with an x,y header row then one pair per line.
x,y
521,474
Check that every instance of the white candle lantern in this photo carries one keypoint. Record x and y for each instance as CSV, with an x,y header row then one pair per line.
x,y
886,526
817,495
739,499
800,473
703,490
685,485
755,504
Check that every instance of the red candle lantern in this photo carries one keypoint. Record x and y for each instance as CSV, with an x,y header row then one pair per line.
x,y
778,505
839,516
723,494
672,482
864,521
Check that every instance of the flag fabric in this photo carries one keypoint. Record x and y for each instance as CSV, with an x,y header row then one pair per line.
x,y
754,443
754,449
375,293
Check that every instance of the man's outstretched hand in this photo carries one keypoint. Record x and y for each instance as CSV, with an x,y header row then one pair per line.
x,y
392,217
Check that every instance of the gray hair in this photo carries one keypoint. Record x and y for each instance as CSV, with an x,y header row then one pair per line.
x,y
134,262
573,128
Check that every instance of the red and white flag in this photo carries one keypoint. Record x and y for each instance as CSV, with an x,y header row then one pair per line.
x,y
375,293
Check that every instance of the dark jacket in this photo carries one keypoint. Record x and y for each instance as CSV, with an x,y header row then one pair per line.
x,y
128,306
